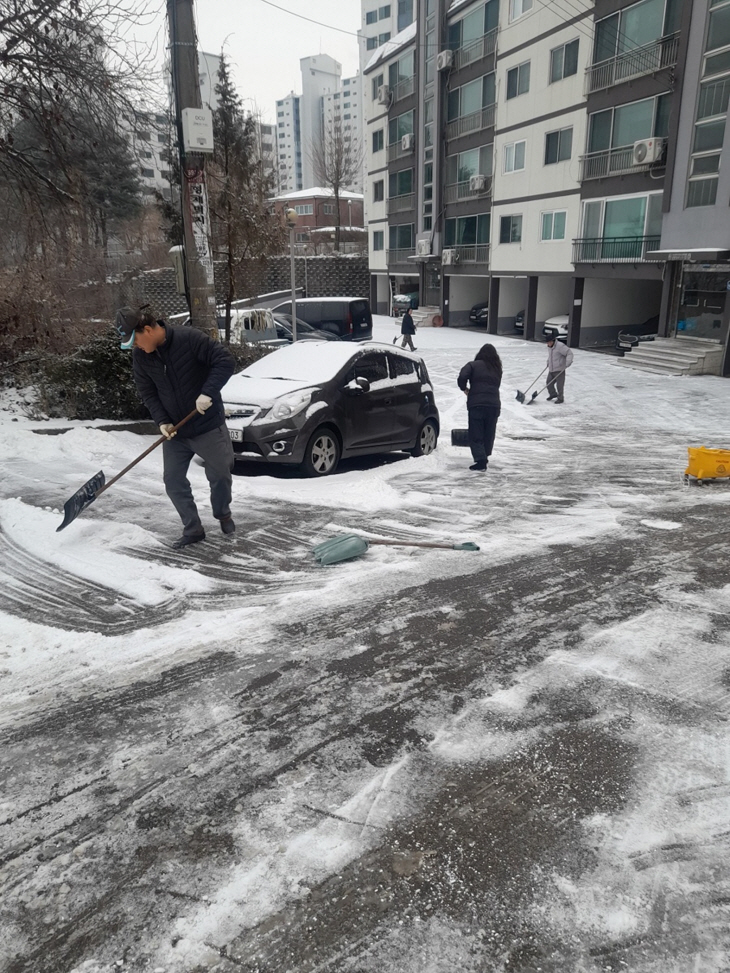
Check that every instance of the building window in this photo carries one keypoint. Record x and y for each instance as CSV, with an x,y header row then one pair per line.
x,y
345,116
376,83
383,38
472,162
553,225
510,229
378,191
636,26
622,126
304,209
519,7
623,219
558,146
148,173
280,114
346,104
401,70
474,25
400,126
514,156
329,209
384,12
405,14
371,17
467,231
378,240
378,140
400,183
518,80
471,97
401,237
563,61
372,43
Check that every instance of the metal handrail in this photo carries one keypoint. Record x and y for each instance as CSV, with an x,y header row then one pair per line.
x,y
662,53
614,250
460,190
611,162
476,50
399,204
396,151
473,122
476,254
399,256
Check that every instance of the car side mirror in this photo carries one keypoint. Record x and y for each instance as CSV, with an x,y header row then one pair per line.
x,y
357,386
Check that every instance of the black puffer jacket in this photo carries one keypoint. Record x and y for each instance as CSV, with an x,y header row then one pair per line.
x,y
483,382
170,379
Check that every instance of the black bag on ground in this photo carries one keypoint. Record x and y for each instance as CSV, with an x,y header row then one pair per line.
x,y
459,437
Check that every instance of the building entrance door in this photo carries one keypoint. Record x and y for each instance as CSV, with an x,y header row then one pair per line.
x,y
432,285
701,311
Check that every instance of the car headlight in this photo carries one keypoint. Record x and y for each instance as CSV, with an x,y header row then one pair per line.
x,y
291,404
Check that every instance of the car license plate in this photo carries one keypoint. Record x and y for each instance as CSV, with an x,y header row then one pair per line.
x,y
236,435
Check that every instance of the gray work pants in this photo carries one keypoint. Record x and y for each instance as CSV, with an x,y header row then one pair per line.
x,y
216,451
556,380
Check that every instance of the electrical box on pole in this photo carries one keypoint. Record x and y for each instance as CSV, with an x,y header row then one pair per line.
x,y
194,137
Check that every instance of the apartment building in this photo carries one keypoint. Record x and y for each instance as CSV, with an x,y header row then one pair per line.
x,y
321,76
153,139
517,152
342,126
289,144
381,21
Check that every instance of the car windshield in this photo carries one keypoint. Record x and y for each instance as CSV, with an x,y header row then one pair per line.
x,y
312,361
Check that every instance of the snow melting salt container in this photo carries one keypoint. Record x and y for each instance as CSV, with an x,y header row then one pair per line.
x,y
708,464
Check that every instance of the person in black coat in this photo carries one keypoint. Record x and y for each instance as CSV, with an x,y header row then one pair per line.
x,y
177,370
407,329
479,380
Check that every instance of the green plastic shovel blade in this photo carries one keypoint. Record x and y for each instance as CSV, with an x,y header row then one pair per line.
x,y
466,546
340,549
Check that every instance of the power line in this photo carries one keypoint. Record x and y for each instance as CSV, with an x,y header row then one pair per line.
x,y
319,23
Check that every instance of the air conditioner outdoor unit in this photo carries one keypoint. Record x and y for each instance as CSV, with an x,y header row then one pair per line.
x,y
477,184
647,150
444,60
406,143
449,258
383,94
423,248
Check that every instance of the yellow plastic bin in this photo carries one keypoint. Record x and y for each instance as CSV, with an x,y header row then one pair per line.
x,y
707,464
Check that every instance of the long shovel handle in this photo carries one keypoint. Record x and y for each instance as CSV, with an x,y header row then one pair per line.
x,y
535,394
532,383
145,453
447,547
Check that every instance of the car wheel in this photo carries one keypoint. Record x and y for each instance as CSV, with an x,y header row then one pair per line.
x,y
322,453
427,439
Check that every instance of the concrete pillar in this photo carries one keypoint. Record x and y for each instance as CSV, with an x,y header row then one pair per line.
x,y
532,283
445,291
576,312
493,318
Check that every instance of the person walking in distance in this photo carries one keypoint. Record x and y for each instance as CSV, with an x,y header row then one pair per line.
x,y
177,370
560,357
479,380
407,329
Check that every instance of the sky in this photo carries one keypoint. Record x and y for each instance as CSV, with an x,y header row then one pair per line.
x,y
264,43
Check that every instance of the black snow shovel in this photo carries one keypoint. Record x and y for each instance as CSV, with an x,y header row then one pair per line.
x,y
94,487
539,391
521,395
349,546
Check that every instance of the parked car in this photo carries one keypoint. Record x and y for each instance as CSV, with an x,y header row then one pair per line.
x,y
557,326
479,313
636,333
403,301
253,325
520,322
348,318
304,330
312,404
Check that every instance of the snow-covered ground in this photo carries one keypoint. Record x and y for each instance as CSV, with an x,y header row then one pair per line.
x,y
421,760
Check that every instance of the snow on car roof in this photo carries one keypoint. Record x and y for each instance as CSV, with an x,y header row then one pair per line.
x,y
312,361
323,300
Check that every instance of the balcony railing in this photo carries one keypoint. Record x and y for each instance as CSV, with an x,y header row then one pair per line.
x,y
399,204
614,250
476,50
478,254
396,150
461,190
473,122
399,256
611,162
404,88
653,57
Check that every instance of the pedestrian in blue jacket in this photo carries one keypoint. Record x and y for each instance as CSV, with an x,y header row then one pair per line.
x,y
479,380
177,370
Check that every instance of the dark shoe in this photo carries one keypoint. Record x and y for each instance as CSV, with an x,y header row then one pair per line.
x,y
559,401
395,339
480,467
227,525
552,397
188,539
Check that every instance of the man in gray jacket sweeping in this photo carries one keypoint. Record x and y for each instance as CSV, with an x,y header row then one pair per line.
x,y
560,357
177,370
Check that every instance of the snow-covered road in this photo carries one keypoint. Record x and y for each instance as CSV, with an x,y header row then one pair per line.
x,y
421,760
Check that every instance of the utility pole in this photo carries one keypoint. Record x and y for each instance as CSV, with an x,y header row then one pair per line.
x,y
200,287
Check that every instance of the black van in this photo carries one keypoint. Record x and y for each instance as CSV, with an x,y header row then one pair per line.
x,y
349,318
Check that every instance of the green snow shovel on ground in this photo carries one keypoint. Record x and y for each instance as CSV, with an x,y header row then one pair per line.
x,y
94,487
349,546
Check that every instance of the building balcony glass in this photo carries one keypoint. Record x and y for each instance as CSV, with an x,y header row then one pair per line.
x,y
614,250
404,88
399,150
469,189
649,59
400,204
473,122
393,257
612,162
476,50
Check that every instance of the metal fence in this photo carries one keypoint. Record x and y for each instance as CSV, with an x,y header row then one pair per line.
x,y
475,51
610,162
399,256
399,204
662,53
478,254
460,190
473,122
614,250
